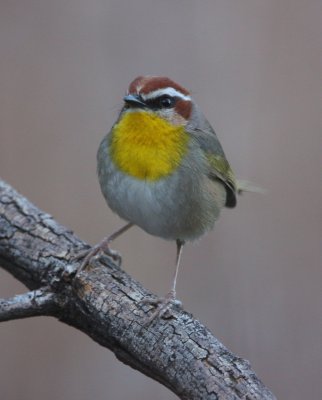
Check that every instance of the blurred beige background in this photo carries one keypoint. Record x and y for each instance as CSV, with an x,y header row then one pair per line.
x,y
255,69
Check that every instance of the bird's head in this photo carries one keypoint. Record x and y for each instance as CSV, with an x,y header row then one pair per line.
x,y
160,96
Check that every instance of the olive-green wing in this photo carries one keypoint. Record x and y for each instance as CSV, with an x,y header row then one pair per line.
x,y
219,167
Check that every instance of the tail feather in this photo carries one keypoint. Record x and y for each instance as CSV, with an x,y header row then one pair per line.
x,y
246,186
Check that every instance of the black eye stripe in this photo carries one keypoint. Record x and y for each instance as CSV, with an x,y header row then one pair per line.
x,y
164,101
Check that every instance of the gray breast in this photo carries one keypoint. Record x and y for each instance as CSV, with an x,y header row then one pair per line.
x,y
182,205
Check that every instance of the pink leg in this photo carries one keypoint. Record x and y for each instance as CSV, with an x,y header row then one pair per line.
x,y
103,246
165,303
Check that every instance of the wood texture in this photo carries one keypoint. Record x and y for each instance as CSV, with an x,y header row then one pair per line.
x,y
104,302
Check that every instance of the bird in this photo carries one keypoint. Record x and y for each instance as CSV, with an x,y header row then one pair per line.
x,y
162,168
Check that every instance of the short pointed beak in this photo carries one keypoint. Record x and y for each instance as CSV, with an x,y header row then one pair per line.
x,y
134,100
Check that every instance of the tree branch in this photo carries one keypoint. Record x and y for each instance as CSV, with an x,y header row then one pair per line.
x,y
30,304
104,302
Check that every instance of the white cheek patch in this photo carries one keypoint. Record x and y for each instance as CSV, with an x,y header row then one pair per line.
x,y
169,91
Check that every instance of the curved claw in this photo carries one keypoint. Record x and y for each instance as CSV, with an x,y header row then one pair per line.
x,y
81,254
104,246
163,306
89,254
115,255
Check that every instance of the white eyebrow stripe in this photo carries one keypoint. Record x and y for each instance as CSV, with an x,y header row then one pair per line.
x,y
165,91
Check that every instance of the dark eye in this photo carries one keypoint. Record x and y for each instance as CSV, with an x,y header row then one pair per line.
x,y
166,101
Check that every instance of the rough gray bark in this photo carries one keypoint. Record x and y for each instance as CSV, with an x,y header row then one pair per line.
x,y
103,302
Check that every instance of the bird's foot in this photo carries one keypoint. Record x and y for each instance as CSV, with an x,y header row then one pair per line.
x,y
163,306
93,252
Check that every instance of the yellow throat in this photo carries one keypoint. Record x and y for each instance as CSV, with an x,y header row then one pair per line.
x,y
147,146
